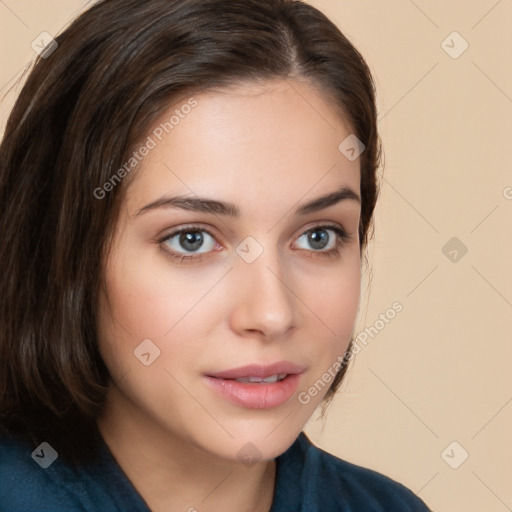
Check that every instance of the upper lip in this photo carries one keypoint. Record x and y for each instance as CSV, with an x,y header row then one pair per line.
x,y
259,370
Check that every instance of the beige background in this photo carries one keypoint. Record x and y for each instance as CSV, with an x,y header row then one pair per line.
x,y
438,372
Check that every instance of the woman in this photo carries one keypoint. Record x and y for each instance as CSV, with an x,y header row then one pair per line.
x,y
187,191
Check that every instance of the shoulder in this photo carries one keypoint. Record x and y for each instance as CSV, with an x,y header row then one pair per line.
x,y
27,482
38,479
335,484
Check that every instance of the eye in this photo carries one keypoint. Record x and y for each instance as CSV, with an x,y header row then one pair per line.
x,y
191,243
323,238
188,241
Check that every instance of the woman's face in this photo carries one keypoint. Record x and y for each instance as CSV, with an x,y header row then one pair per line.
x,y
259,277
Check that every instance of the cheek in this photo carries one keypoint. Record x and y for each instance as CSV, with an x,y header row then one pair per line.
x,y
147,300
179,310
134,310
334,299
334,305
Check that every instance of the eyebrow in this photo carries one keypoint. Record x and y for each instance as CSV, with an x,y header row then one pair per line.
x,y
205,205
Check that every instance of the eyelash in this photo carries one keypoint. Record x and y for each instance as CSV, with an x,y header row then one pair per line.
x,y
342,237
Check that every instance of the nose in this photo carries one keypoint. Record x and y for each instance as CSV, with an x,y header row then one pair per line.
x,y
264,304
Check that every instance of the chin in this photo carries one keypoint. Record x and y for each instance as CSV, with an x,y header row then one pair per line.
x,y
256,439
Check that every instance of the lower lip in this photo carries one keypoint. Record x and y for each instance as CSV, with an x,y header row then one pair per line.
x,y
255,396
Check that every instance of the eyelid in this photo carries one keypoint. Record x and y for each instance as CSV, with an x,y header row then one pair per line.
x,y
342,236
204,227
188,228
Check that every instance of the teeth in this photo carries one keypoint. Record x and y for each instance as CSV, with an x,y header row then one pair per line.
x,y
270,379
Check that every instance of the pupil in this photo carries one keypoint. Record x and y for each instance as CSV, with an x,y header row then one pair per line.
x,y
194,239
318,238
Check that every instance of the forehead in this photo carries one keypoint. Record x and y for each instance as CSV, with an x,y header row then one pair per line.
x,y
249,143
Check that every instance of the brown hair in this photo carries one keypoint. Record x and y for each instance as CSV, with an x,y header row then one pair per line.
x,y
81,110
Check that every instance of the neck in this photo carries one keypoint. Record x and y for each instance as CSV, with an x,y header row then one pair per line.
x,y
172,473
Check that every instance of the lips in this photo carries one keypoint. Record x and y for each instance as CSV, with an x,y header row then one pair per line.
x,y
266,380
257,386
258,371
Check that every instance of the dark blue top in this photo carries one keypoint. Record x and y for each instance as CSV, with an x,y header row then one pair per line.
x,y
308,479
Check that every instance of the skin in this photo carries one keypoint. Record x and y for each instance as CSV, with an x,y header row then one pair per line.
x,y
267,148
